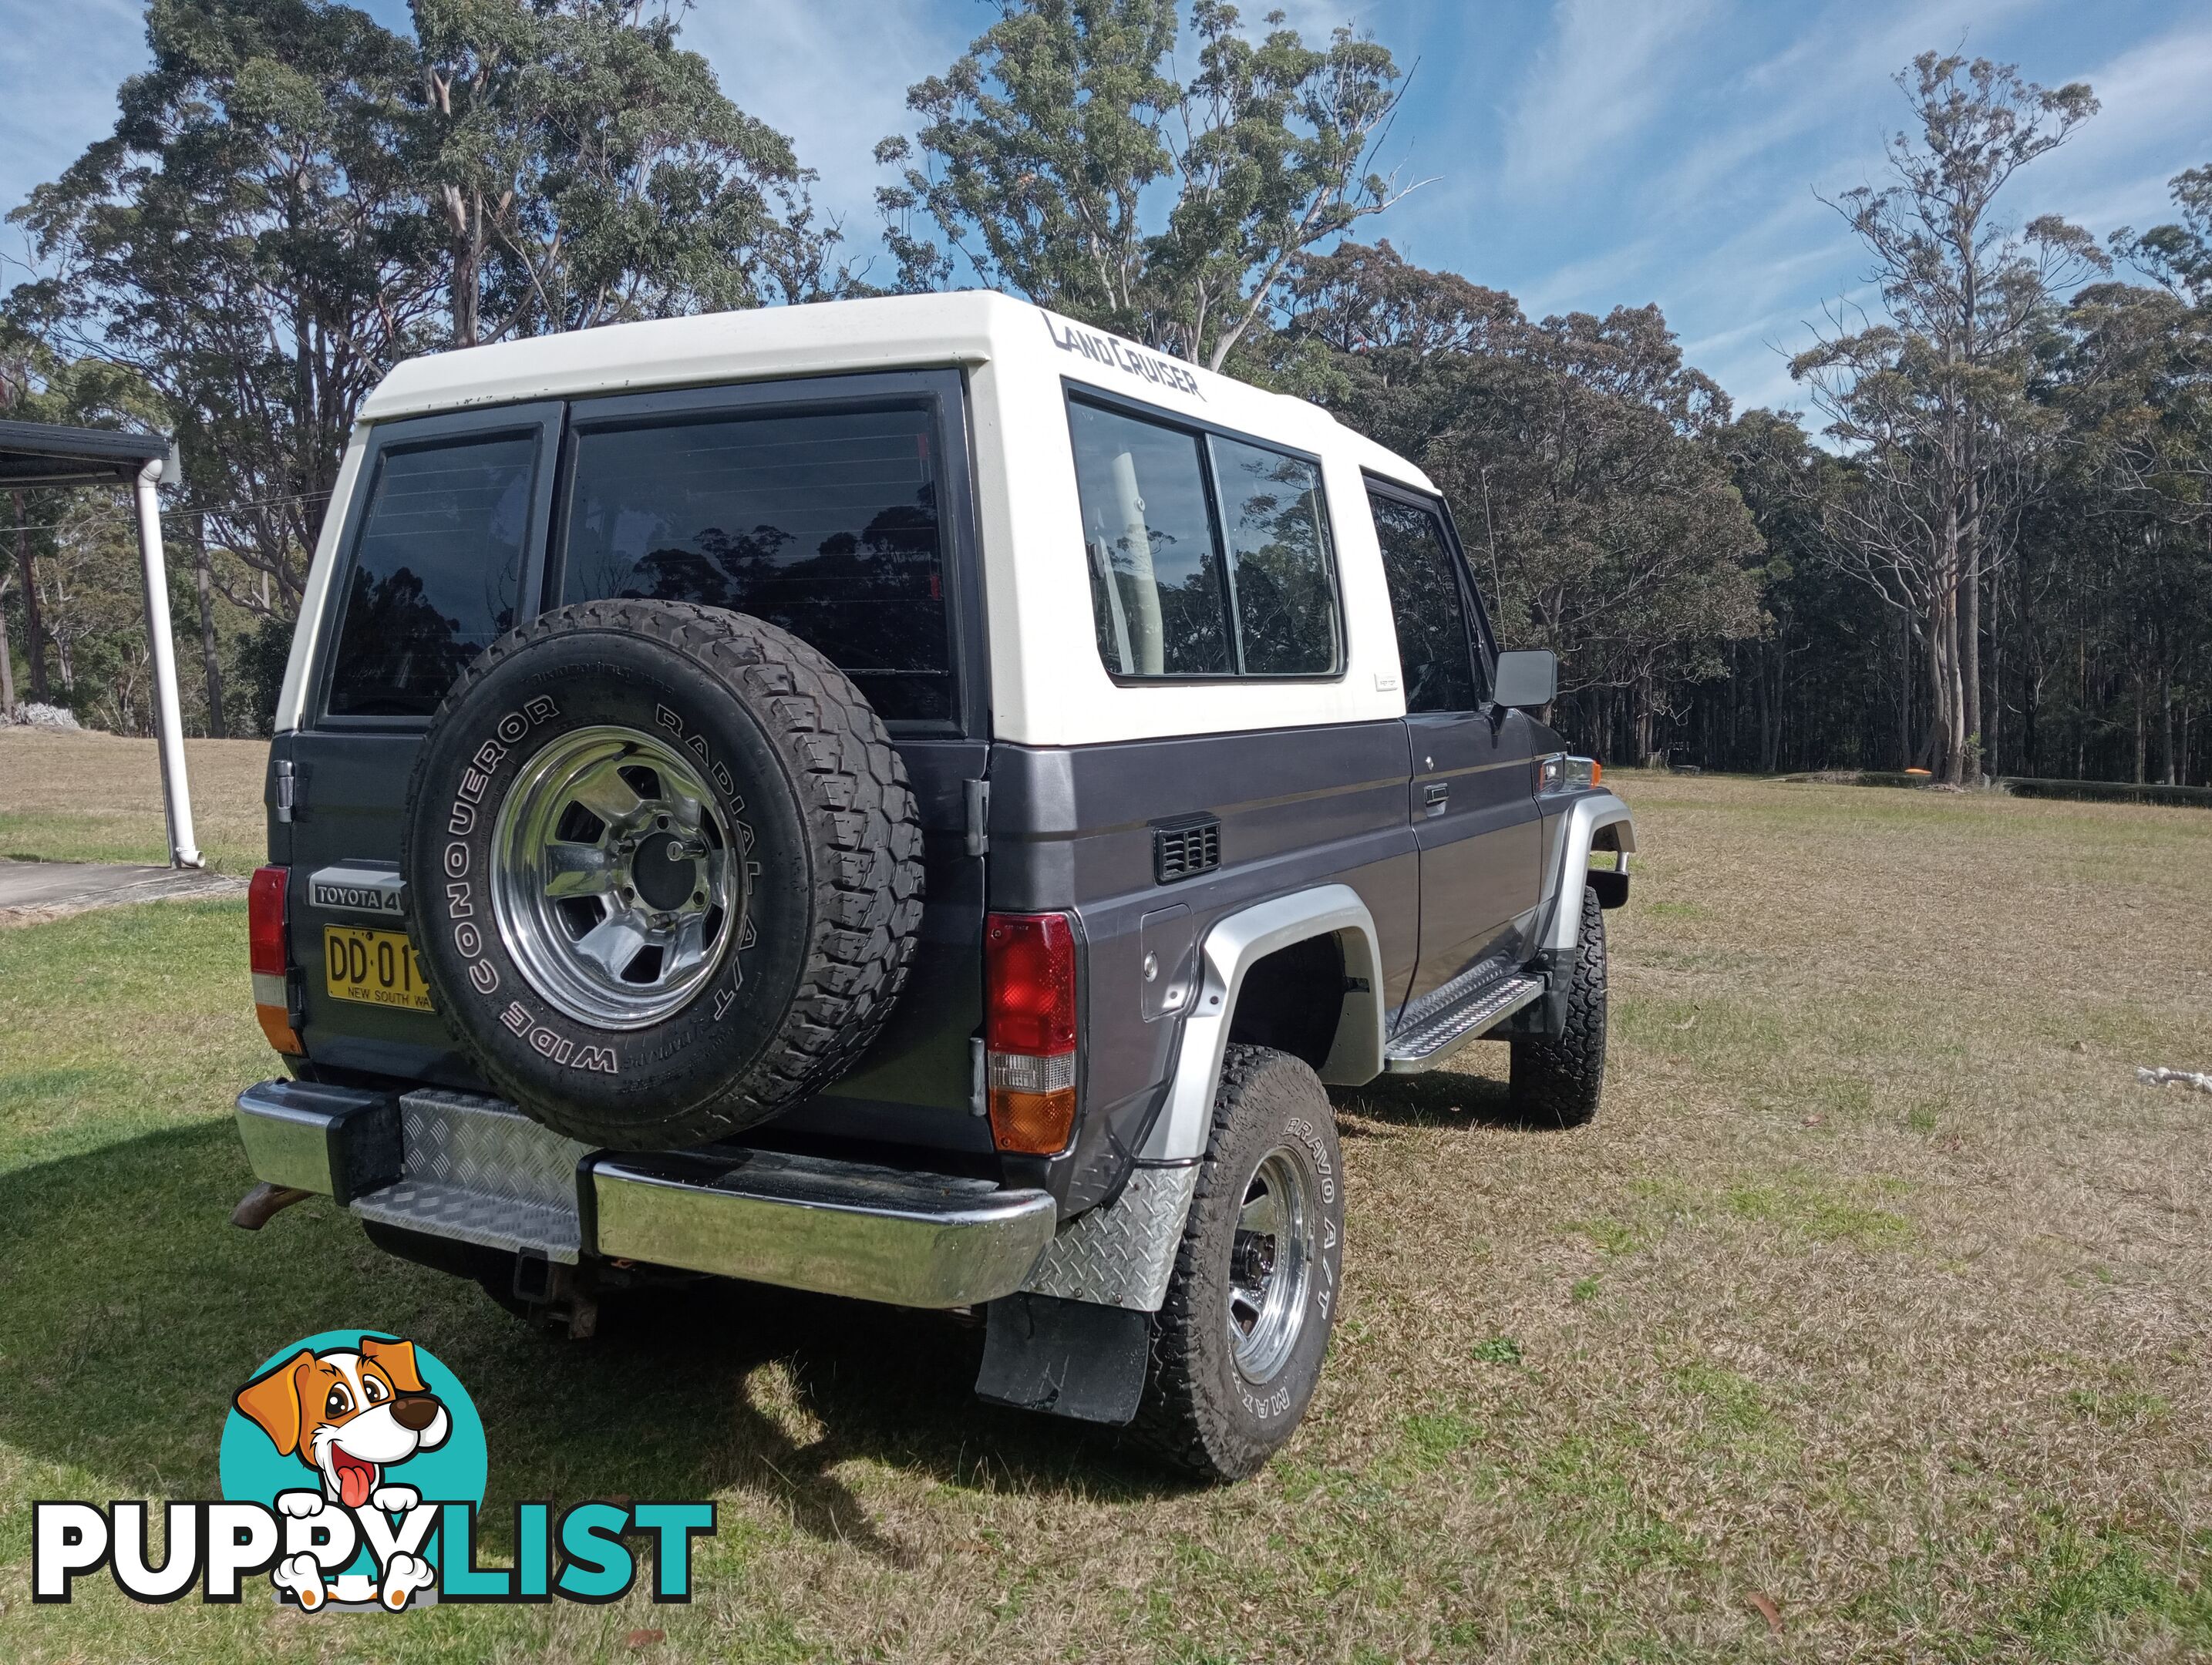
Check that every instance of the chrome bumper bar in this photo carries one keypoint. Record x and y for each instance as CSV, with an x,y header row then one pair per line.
x,y
475,1169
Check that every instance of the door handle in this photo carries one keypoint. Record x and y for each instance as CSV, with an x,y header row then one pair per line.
x,y
1435,797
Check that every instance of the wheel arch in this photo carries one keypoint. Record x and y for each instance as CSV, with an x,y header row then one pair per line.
x,y
1232,948
1594,821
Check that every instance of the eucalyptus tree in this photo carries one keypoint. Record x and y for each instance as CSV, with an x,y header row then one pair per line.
x,y
1822,678
584,169
1042,152
1924,395
249,241
2177,256
295,197
1582,457
2134,385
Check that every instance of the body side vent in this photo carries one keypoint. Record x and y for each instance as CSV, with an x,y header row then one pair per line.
x,y
1185,846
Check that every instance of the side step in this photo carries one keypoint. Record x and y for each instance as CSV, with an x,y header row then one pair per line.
x,y
1453,1016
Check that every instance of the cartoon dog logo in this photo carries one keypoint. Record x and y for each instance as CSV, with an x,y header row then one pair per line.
x,y
350,1416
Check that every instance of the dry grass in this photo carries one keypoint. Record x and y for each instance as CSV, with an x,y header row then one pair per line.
x,y
1878,1291
95,796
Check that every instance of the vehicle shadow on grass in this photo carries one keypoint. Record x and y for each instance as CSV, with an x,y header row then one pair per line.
x,y
130,1310
1435,1099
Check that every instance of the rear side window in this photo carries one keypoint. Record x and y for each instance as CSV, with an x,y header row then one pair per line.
x,y
436,572
1280,566
826,524
1434,649
1208,556
1155,569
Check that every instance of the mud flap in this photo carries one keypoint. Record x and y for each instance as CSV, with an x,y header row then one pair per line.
x,y
1071,1358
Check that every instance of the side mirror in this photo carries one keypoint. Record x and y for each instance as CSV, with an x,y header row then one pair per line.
x,y
1527,680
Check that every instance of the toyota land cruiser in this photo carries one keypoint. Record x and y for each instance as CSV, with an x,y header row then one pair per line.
x,y
910,799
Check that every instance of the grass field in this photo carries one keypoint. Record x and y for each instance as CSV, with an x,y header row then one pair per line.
x,y
93,797
1880,1293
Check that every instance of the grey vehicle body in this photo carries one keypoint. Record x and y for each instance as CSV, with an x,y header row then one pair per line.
x,y
1360,884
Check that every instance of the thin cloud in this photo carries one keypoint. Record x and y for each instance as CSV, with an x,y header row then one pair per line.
x,y
1594,153
832,75
1610,71
59,70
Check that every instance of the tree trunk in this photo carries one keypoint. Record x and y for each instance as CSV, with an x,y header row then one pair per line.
x,y
1993,703
2031,677
1971,729
1950,694
35,633
1930,754
467,286
2080,705
7,663
1904,680
1769,692
2142,731
210,662
2165,734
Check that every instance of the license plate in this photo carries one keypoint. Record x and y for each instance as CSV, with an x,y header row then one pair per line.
x,y
377,968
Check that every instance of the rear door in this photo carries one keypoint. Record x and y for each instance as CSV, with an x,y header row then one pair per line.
x,y
1473,802
835,507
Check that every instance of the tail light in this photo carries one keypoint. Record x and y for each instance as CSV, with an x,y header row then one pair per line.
x,y
271,957
1028,1031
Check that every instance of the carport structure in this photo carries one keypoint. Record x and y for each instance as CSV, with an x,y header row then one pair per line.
x,y
44,455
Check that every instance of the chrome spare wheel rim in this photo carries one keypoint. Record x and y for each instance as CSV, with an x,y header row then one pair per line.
x,y
614,878
1271,1265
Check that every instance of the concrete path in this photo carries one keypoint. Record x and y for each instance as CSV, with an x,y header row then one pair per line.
x,y
34,890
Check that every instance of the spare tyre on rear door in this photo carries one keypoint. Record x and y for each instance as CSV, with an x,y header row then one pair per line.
x,y
663,870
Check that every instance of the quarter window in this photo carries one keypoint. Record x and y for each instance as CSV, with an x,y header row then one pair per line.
x,y
1173,596
1155,570
436,572
826,524
1280,566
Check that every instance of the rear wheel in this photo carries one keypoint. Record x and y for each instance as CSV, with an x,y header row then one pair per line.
x,y
1558,1082
1237,1346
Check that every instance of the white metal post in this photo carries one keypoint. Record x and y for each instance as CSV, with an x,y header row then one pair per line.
x,y
168,722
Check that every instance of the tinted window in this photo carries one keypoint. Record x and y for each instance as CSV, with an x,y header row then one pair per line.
x,y
1156,589
1165,600
1433,645
826,525
1280,563
434,574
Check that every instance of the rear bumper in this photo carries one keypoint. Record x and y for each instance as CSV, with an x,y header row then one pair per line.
x,y
476,1171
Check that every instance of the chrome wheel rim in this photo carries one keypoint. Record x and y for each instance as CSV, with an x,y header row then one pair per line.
x,y
1271,1264
615,881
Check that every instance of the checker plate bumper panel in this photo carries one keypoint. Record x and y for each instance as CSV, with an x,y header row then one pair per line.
x,y
1122,1255
479,1172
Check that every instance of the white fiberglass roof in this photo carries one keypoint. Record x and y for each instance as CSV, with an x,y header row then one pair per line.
x,y
894,332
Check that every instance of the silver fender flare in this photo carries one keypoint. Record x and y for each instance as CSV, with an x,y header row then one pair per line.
x,y
1231,947
1577,827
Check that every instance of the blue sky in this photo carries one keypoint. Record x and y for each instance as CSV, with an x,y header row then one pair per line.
x,y
1580,154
